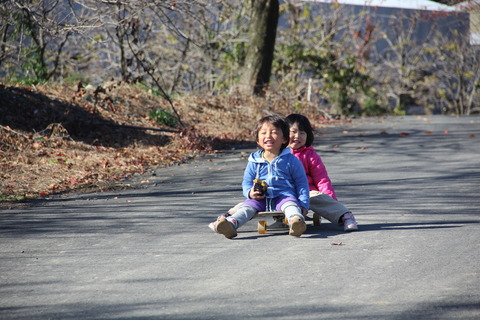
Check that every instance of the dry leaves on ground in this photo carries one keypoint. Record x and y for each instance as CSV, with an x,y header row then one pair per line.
x,y
63,138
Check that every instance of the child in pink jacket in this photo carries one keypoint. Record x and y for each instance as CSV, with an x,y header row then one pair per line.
x,y
322,195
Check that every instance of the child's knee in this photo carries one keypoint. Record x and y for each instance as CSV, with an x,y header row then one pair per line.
x,y
291,208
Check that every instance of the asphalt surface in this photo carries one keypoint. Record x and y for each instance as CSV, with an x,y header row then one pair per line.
x,y
412,182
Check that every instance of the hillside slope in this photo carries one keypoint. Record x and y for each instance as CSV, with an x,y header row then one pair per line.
x,y
63,138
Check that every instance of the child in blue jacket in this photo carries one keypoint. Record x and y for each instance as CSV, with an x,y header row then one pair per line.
x,y
288,189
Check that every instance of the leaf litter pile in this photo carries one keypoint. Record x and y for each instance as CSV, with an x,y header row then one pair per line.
x,y
56,139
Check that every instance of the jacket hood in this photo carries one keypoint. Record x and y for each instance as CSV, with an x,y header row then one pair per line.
x,y
300,150
257,155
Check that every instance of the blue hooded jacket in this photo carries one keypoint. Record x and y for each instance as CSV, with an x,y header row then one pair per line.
x,y
284,176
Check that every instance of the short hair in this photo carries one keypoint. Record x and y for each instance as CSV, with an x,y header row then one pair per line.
x,y
279,122
303,124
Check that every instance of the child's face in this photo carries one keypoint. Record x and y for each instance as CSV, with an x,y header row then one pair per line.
x,y
270,138
297,137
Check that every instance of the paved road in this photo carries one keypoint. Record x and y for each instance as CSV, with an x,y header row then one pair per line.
x,y
148,254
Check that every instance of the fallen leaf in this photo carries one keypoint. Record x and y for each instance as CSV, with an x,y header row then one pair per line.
x,y
404,134
53,186
428,132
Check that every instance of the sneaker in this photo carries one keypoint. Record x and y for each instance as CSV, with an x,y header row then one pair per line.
x,y
211,225
297,226
225,227
349,222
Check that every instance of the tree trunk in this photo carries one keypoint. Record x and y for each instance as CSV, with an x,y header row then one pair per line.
x,y
262,32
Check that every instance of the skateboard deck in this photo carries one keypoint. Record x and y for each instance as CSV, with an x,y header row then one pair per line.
x,y
280,221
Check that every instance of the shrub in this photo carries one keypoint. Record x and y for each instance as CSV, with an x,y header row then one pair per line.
x,y
163,117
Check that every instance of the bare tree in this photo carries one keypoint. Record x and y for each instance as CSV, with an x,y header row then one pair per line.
x,y
425,70
33,38
457,80
317,60
399,59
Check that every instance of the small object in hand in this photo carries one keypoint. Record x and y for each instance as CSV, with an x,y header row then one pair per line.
x,y
260,185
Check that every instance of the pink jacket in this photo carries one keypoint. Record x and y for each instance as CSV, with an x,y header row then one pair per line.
x,y
315,169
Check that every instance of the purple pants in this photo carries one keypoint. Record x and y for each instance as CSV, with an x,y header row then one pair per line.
x,y
274,204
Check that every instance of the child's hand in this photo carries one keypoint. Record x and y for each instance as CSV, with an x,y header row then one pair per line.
x,y
256,195
258,190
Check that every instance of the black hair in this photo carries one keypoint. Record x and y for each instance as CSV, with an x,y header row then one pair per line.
x,y
303,124
279,122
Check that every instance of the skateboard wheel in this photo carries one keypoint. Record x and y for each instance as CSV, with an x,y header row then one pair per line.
x,y
316,219
262,227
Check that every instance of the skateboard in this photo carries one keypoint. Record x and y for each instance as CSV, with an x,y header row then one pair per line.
x,y
280,220
278,216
